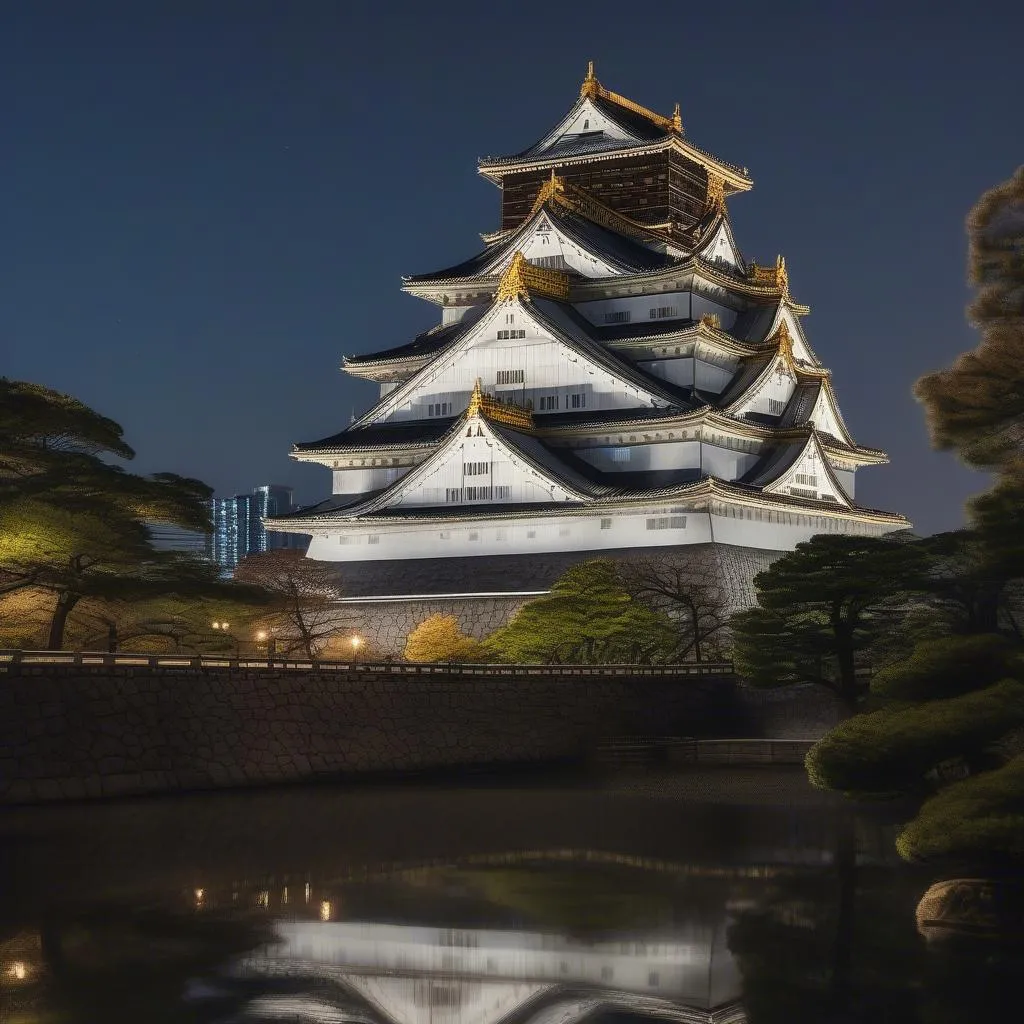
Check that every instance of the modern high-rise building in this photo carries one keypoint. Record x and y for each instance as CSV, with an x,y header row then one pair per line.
x,y
238,529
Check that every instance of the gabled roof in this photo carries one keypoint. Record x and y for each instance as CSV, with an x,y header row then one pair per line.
x,y
565,322
427,343
618,251
631,126
776,464
752,369
422,433
635,127
567,326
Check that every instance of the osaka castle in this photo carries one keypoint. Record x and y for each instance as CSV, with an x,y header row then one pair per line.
x,y
609,373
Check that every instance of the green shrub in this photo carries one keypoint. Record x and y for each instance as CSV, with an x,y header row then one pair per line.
x,y
892,749
947,667
979,820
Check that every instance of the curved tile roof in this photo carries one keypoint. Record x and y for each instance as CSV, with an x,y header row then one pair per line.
x,y
623,253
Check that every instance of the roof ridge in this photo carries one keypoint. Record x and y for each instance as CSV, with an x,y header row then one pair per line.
x,y
593,89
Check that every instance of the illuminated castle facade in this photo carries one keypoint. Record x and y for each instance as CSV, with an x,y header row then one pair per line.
x,y
608,373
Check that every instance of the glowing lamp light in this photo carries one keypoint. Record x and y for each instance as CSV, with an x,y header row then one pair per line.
x,y
356,641
199,895
261,635
18,970
325,910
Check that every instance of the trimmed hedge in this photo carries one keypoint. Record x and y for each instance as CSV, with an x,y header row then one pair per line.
x,y
891,750
947,667
980,820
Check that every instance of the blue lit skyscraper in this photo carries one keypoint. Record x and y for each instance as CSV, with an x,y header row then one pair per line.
x,y
238,525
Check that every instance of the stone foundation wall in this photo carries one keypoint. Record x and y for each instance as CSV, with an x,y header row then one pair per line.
x,y
91,731
387,624
387,621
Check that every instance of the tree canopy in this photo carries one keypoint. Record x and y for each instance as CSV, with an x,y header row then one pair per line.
x,y
440,638
588,617
820,607
977,406
950,718
74,526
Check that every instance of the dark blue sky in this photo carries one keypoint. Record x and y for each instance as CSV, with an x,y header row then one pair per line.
x,y
205,205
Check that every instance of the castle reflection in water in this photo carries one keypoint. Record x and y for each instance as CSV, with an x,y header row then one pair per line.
x,y
329,964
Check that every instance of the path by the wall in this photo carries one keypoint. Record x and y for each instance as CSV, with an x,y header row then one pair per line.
x,y
77,731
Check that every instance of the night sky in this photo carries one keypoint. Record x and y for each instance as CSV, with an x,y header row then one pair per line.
x,y
205,205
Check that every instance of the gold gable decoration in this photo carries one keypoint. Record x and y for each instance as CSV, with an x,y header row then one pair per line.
x,y
784,340
773,277
552,189
557,190
716,194
522,277
712,320
491,409
593,89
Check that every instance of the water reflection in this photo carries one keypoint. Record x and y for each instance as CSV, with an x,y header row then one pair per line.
x,y
541,906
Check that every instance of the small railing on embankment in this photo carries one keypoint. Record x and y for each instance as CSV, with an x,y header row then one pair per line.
x,y
13,660
650,750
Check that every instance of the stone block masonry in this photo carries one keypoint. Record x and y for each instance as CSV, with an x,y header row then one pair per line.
x,y
73,732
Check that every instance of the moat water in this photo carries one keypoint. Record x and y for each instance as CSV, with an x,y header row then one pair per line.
x,y
725,896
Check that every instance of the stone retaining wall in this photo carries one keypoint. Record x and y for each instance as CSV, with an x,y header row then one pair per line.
x,y
81,731
388,623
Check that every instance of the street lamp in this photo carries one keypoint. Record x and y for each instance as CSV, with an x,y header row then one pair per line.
x,y
356,642
263,637
223,627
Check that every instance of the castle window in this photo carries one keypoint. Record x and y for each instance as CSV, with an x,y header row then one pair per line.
x,y
474,535
586,124
622,316
501,491
667,523
511,376
776,406
548,402
439,409
579,400
606,524
622,454
453,494
373,539
476,468
477,493
808,479
664,312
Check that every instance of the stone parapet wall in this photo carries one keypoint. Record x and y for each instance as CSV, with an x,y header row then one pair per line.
x,y
69,732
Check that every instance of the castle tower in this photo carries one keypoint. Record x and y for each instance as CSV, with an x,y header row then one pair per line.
x,y
608,374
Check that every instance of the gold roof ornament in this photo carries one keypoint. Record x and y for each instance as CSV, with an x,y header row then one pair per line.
x,y
774,277
784,340
591,86
592,89
716,194
489,408
553,188
522,277
711,320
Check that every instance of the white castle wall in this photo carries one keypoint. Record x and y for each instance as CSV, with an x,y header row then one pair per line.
x,y
361,481
688,306
754,528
